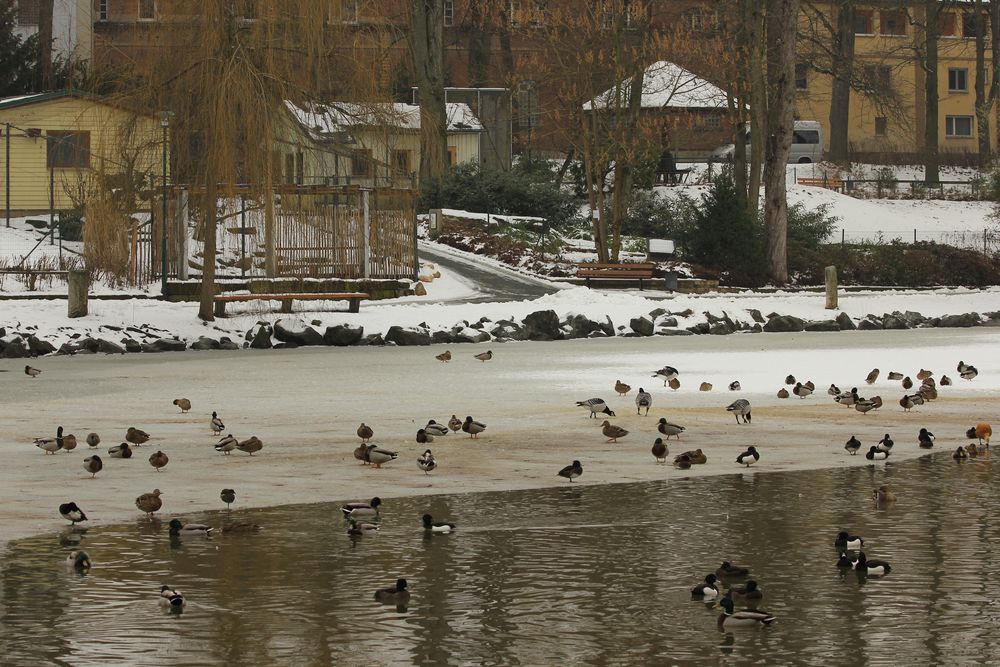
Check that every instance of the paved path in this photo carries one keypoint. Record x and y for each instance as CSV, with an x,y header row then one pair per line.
x,y
492,284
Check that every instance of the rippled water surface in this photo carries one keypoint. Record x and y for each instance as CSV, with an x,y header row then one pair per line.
x,y
574,575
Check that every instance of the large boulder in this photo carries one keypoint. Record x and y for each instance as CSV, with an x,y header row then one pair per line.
x,y
893,322
260,336
668,321
784,324
297,331
542,325
845,322
109,347
343,335
169,345
700,328
373,339
870,323
674,332
963,320
227,343
205,343
132,345
642,326
442,338
407,336
581,326
38,347
14,349
756,316
823,325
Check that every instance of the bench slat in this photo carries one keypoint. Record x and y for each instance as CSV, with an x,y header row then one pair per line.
x,y
332,296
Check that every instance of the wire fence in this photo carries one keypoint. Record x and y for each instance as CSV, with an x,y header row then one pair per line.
x,y
986,241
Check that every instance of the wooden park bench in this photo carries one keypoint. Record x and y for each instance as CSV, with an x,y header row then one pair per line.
x,y
829,183
635,271
353,299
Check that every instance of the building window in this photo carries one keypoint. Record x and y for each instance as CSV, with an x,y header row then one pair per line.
x,y
102,10
249,10
401,161
946,24
713,121
878,78
969,25
27,12
65,149
958,80
452,156
801,76
881,126
958,126
449,12
702,21
147,10
864,22
345,11
527,104
361,162
893,23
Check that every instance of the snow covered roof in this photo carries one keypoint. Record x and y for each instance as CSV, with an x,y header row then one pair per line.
x,y
666,85
339,116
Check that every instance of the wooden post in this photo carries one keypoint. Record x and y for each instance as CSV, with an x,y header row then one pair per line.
x,y
367,239
78,283
182,234
831,287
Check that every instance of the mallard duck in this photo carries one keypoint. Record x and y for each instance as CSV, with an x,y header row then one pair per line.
x,y
149,502
228,496
907,402
572,471
945,381
596,405
455,424
444,357
622,388
240,528
72,513
69,442
682,461
883,495
853,445
171,597
426,461
866,405
749,457
660,450
437,527
93,440
93,465
433,428
927,392
929,382
706,588
696,457
893,375
872,376
361,527
32,372
961,366
472,427
783,393
250,445
873,567
727,569
847,541
183,403
377,456
925,439
362,510
885,444
789,379
668,373
51,445
158,460
845,561
484,356
216,424
907,383
669,429
834,391
960,454
360,453
848,398
969,373
397,594
365,432
750,590
735,385
705,386
972,450
79,560
924,374
227,444
801,390
423,437
744,618
674,384
874,454
740,408
612,432
122,451
178,529
643,400
136,436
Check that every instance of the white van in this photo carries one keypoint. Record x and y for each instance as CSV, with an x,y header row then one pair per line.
x,y
807,144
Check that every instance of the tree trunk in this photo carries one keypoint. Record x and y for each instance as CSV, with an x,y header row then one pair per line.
x,y
426,40
987,84
624,168
45,77
758,100
931,157
478,43
781,23
840,97
561,174
206,308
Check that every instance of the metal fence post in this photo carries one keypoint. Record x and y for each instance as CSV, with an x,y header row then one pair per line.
x,y
6,179
52,206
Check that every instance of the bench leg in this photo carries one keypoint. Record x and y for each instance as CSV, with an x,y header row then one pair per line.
x,y
640,284
286,305
353,305
220,308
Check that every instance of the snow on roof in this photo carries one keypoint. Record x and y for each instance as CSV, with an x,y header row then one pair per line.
x,y
666,85
339,116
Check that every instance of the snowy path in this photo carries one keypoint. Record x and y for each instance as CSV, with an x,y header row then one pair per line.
x,y
491,283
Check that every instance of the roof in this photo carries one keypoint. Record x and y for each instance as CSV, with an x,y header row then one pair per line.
x,y
339,116
37,98
666,85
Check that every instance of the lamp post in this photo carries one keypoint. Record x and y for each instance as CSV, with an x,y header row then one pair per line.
x,y
165,124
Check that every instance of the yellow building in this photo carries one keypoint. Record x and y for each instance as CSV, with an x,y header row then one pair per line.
x,y
888,38
63,143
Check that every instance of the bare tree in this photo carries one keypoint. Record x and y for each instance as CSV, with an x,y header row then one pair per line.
x,y
987,77
426,39
931,150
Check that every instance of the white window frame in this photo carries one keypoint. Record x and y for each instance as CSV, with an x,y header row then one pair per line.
x,y
950,128
138,12
102,10
964,71
449,13
348,12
